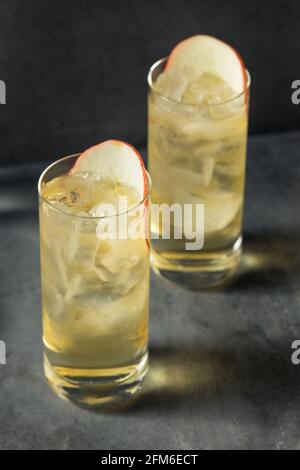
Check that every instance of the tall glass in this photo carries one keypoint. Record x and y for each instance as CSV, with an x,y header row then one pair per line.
x,y
95,294
196,156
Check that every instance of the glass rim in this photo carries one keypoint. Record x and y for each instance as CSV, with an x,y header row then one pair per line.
x,y
89,217
164,59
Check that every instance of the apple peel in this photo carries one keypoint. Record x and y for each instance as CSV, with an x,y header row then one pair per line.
x,y
115,160
202,53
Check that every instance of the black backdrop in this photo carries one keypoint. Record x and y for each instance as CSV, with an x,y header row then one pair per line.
x,y
76,70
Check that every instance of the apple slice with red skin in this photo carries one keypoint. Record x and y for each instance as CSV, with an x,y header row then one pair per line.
x,y
115,160
119,161
202,53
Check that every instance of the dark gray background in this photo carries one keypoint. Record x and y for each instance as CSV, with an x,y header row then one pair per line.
x,y
76,69
220,362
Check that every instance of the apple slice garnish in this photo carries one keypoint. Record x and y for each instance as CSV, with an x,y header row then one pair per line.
x,y
115,160
201,53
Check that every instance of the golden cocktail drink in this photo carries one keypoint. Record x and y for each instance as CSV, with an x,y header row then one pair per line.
x,y
196,154
95,289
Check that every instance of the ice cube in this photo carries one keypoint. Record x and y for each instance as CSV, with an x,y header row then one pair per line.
x,y
171,84
53,302
220,209
122,262
72,191
197,170
231,159
98,301
207,89
96,312
112,271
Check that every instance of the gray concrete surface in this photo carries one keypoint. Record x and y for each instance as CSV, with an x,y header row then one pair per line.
x,y
221,374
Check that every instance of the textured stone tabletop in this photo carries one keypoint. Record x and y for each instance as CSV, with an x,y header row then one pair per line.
x,y
221,374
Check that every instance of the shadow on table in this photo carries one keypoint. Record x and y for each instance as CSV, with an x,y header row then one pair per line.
x,y
269,260
198,380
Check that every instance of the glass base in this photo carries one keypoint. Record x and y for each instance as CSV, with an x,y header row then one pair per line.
x,y
96,388
198,271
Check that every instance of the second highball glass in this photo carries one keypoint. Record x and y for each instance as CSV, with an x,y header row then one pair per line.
x,y
197,155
